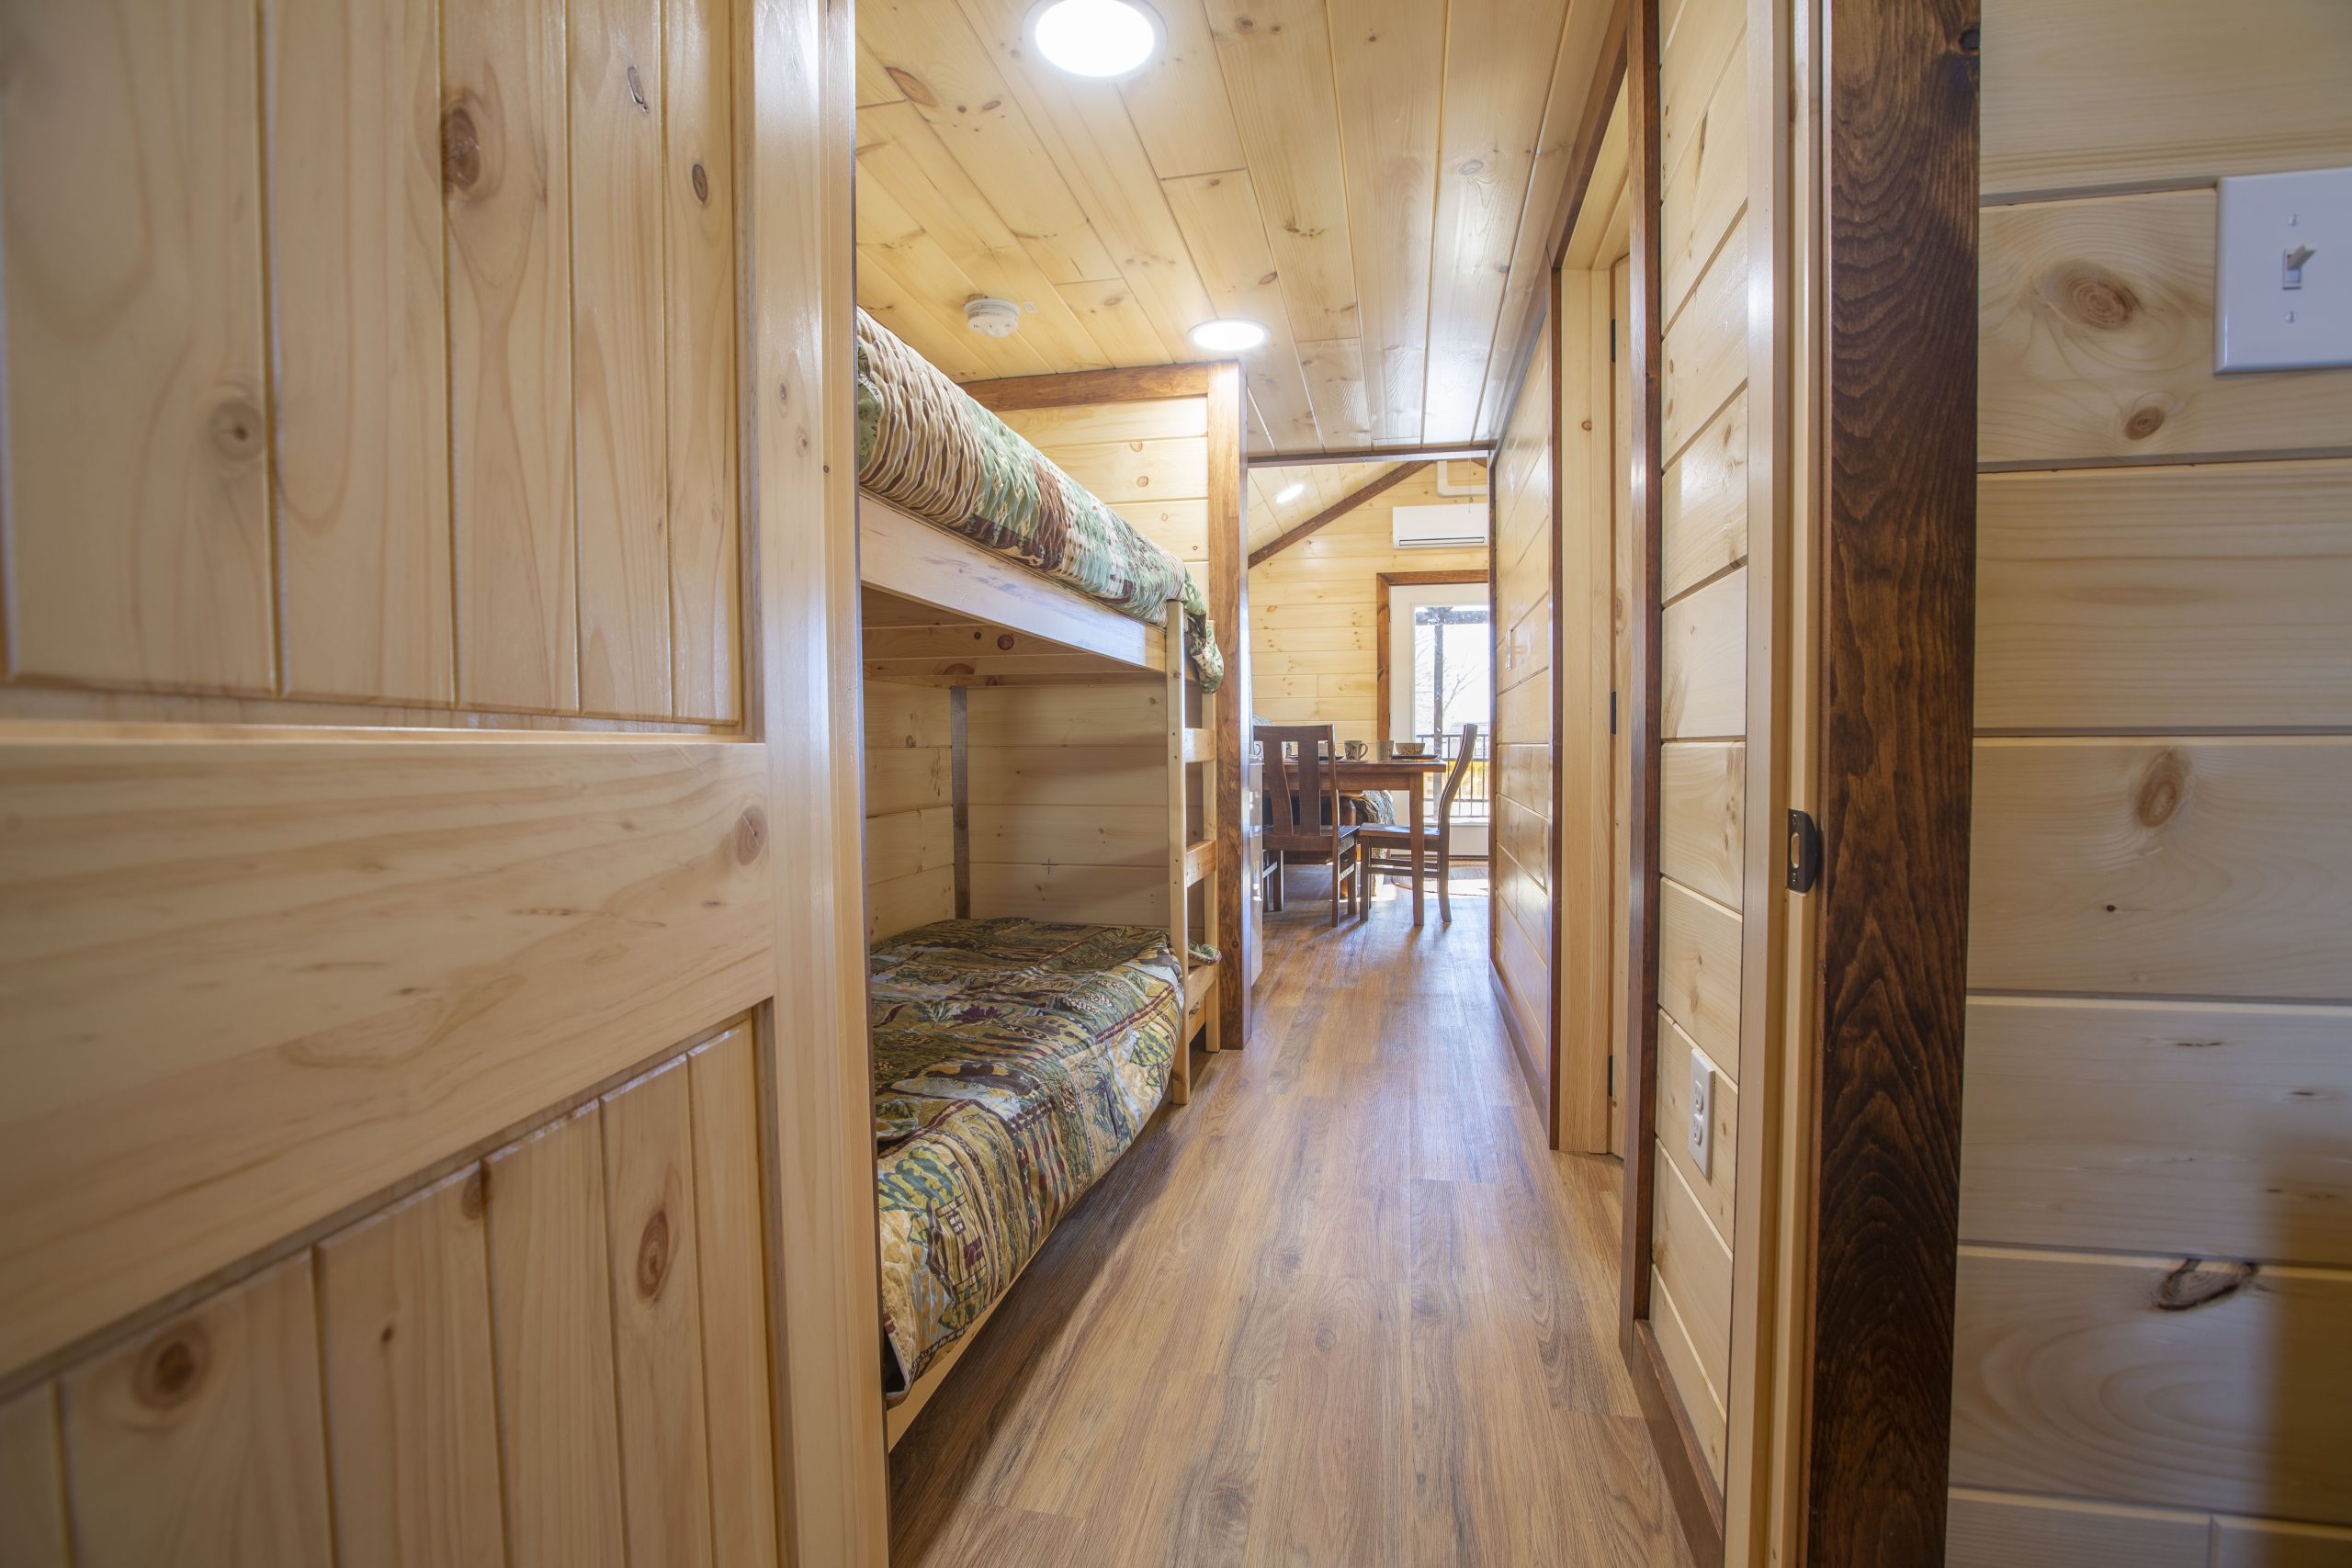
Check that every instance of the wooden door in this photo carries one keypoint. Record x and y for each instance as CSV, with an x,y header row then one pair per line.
x,y
417,1063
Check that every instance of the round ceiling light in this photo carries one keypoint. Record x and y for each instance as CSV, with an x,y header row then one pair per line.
x,y
1288,494
1095,38
1229,335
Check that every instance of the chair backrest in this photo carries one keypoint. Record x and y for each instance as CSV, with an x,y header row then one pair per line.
x,y
1302,785
1456,774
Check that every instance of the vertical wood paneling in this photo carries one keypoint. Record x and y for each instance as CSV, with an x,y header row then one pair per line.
x,y
362,419
657,1318
410,1395
731,1249
32,1481
201,1441
506,172
136,460
552,1330
698,340
1390,69
618,364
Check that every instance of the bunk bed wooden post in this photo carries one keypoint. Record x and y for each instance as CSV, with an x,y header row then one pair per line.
x,y
1180,1071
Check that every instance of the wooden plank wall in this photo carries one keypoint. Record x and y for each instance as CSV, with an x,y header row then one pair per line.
x,y
554,1353
1068,789
1704,641
910,807
2155,1269
1313,641
1520,860
433,423
1150,460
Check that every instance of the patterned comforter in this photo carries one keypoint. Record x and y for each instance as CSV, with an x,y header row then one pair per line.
x,y
1013,1061
926,447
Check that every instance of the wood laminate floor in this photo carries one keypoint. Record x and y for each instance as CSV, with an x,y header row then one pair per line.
x,y
1344,1308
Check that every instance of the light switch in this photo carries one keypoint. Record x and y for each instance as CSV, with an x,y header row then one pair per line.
x,y
2283,272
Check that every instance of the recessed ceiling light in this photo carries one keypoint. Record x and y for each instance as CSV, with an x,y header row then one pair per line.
x,y
1229,335
1288,494
1095,38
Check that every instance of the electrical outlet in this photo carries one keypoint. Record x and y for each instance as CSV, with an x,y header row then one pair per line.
x,y
1702,1115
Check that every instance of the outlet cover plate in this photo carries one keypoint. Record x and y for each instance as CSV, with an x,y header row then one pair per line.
x,y
2269,314
1702,1115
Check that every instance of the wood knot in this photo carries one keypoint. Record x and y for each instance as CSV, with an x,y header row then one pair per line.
x,y
2162,789
916,90
169,1373
701,182
235,426
636,92
474,1197
2197,1282
654,1256
461,151
2091,295
1004,642
751,835
2143,423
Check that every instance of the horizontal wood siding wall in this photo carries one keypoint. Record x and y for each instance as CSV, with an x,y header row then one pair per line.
x,y
1148,461
1703,61
439,419
2155,1269
1068,791
910,807
1523,767
1314,643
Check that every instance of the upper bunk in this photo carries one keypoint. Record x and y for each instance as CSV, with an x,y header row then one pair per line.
x,y
990,557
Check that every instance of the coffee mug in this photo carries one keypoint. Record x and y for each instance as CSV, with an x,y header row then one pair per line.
x,y
1358,751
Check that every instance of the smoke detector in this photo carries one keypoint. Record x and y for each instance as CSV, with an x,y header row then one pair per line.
x,y
992,318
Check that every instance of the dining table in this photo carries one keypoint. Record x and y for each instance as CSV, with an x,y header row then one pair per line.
x,y
1355,775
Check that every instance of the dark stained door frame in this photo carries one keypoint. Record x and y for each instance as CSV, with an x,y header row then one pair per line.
x,y
1898,679
1896,597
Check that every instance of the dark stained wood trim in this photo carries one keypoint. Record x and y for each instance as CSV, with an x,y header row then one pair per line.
x,y
1698,1500
1228,594
1678,1456
1346,504
1550,313
1382,582
1897,651
959,794
1467,451
1494,744
1069,389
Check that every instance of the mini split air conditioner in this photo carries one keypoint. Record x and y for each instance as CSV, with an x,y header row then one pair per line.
x,y
1437,527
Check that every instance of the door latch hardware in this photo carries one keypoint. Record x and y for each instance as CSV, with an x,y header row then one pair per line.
x,y
1804,852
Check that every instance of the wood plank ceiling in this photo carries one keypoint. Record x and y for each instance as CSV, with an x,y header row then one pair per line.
x,y
1321,486
1378,182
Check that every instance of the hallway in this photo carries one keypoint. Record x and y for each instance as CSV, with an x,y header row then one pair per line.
x,y
1345,1309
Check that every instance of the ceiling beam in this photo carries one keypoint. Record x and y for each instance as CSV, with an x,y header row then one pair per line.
x,y
1336,510
1469,451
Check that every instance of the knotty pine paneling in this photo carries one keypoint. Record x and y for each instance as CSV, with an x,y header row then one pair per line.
x,y
380,355
2157,927
434,1385
909,815
2213,867
1326,585
2076,100
138,442
1703,806
1525,763
1702,527
2131,1126
1070,828
2165,598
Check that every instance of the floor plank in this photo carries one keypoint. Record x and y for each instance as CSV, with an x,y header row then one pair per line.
x,y
1344,1308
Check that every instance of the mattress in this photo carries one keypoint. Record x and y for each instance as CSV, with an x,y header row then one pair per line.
x,y
927,448
1013,1061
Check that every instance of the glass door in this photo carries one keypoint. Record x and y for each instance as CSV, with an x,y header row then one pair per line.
x,y
1440,679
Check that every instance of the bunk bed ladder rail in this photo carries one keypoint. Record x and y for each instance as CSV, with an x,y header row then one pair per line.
x,y
1190,860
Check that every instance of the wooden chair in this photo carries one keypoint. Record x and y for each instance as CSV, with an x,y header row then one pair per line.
x,y
1388,846
1303,811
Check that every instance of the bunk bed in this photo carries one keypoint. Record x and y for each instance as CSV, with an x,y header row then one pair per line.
x,y
1030,1011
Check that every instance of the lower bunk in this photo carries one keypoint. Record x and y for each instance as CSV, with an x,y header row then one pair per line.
x,y
1014,1061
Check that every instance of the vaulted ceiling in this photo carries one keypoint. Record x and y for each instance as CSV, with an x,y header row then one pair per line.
x,y
1378,182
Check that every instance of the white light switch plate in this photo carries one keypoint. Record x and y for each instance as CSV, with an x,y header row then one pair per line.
x,y
1703,1114
2271,313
